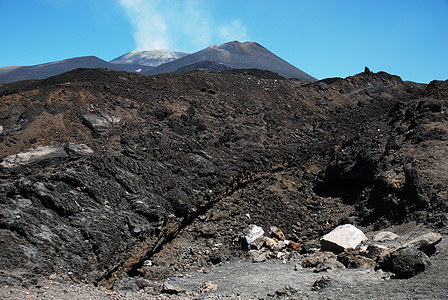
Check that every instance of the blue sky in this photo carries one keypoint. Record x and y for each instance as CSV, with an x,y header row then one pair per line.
x,y
325,38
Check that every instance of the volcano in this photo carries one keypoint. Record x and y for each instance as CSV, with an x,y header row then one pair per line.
x,y
232,55
112,178
235,55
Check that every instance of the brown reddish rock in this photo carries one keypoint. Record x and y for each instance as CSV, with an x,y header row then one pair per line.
x,y
295,246
277,233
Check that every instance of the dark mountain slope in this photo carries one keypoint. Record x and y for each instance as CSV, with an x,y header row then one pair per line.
x,y
11,74
208,66
233,55
236,55
104,171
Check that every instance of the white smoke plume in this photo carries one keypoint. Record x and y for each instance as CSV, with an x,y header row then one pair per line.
x,y
178,25
151,27
233,31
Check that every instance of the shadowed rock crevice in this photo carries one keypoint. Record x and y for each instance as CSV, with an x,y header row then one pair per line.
x,y
134,264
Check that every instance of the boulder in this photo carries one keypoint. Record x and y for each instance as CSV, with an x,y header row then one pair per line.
x,y
132,283
44,154
258,255
425,243
286,293
125,283
408,262
409,258
80,149
207,287
259,242
29,156
277,233
353,260
341,238
313,260
270,243
310,247
375,251
171,289
328,264
384,236
280,246
432,105
100,123
250,234
322,283
295,246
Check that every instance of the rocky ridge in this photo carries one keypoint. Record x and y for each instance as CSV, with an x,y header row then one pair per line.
x,y
171,168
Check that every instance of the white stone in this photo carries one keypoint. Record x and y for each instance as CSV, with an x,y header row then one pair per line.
x,y
34,155
251,233
101,122
342,237
169,288
81,149
43,153
384,236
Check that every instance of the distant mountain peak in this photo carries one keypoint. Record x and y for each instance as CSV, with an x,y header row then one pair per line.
x,y
235,55
45,70
235,45
150,58
215,58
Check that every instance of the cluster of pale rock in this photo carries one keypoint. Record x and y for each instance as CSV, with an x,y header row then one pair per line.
x,y
261,247
45,154
98,123
345,247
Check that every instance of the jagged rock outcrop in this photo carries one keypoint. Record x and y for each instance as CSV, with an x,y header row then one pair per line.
x,y
195,158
